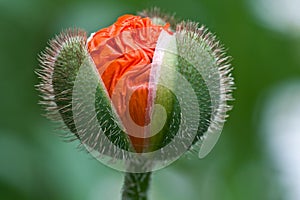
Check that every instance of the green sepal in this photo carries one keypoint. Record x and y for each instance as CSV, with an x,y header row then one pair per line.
x,y
192,75
62,62
69,58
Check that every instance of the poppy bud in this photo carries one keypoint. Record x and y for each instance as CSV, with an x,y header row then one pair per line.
x,y
145,89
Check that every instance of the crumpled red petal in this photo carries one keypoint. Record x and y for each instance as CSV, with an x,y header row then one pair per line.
x,y
123,54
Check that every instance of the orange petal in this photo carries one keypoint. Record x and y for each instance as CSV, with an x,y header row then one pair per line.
x,y
123,54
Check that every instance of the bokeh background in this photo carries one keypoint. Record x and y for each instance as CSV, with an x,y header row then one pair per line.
x,y
258,154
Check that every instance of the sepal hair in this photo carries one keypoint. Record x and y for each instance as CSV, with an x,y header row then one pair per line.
x,y
58,65
208,56
159,17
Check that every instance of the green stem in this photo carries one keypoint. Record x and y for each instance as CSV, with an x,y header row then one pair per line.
x,y
136,186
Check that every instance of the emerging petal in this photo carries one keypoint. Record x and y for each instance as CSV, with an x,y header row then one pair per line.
x,y
123,55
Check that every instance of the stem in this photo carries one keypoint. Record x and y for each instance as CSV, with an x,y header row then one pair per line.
x,y
136,186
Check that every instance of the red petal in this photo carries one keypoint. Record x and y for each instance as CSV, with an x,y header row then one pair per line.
x,y
123,54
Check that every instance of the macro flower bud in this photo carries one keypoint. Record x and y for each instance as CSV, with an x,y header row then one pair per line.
x,y
145,89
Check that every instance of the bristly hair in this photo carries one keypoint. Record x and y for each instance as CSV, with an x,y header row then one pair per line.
x,y
209,73
60,64
218,52
48,60
195,37
156,14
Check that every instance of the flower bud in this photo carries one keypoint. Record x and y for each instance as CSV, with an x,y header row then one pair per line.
x,y
145,89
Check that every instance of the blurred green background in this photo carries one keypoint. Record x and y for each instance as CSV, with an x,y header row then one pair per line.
x,y
247,163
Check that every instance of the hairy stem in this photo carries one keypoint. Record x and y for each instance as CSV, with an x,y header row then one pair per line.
x,y
136,186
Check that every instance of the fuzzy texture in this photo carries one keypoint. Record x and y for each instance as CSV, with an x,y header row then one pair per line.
x,y
69,43
60,65
206,54
201,60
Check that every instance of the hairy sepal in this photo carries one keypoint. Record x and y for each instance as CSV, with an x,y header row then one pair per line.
x,y
205,55
61,63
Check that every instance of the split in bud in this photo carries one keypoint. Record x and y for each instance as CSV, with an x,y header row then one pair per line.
x,y
145,90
